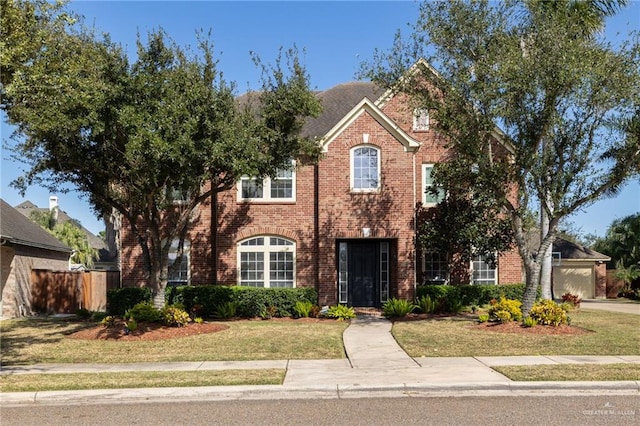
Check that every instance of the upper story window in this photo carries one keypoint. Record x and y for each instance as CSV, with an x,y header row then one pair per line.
x,y
266,262
282,187
428,185
365,169
178,266
482,272
420,119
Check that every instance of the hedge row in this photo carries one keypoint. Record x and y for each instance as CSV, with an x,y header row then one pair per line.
x,y
251,302
119,300
469,295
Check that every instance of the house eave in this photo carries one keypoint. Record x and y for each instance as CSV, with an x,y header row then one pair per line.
x,y
369,107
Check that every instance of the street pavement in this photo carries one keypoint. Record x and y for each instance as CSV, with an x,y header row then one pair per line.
x,y
375,366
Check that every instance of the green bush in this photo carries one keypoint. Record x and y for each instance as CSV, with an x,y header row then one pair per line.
x,y
397,308
303,308
226,310
426,304
469,295
483,317
108,321
119,300
251,302
175,317
341,312
548,312
144,312
199,300
505,310
446,297
529,322
98,316
83,314
132,325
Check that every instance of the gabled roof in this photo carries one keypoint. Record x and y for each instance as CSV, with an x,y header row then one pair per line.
x,y
365,105
573,251
16,229
336,103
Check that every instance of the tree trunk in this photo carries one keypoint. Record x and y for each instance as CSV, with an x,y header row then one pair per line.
x,y
532,280
546,267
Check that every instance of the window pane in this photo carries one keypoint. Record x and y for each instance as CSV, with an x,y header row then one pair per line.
x,y
252,269
365,168
251,188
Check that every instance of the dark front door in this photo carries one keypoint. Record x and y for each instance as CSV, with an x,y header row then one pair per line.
x,y
363,273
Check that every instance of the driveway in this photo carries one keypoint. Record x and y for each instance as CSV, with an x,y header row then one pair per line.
x,y
626,307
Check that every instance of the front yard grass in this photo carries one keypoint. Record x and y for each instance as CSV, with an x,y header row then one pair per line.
x,y
570,372
143,379
45,340
609,334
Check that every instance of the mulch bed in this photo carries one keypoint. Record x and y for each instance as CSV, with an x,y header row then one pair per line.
x,y
145,331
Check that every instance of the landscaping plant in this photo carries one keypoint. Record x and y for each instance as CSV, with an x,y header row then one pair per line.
x,y
397,308
341,312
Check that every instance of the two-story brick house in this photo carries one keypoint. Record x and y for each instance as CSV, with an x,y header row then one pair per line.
x,y
345,226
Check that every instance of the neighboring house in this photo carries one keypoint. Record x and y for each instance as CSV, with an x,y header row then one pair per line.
x,y
345,226
24,246
107,259
578,270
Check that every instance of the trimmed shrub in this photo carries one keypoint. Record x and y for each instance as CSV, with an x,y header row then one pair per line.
x,y
505,310
201,300
469,295
446,297
397,308
144,312
119,300
83,313
548,312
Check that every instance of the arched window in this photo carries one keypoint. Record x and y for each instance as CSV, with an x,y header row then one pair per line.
x,y
266,261
365,169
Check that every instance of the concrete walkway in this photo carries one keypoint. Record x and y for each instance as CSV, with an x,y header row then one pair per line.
x,y
375,364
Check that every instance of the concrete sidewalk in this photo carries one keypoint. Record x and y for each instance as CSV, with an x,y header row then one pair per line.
x,y
375,364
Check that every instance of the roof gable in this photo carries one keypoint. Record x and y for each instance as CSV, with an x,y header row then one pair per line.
x,y
367,106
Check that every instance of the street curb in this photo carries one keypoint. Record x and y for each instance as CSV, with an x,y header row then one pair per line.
x,y
279,392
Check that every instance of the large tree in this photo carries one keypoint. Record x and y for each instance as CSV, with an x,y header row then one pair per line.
x,y
154,139
563,102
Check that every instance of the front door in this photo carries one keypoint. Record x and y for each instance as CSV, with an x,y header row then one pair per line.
x,y
363,283
363,272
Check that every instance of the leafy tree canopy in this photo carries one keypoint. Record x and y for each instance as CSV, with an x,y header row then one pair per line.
x,y
531,98
622,241
134,137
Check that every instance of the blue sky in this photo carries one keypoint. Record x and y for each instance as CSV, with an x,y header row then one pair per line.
x,y
337,37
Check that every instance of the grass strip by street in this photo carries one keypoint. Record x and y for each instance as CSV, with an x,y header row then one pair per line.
x,y
46,340
142,379
570,372
608,334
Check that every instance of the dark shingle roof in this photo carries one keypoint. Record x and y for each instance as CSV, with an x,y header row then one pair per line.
x,y
336,103
27,207
573,251
19,230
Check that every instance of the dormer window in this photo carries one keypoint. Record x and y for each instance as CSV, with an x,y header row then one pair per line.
x,y
420,119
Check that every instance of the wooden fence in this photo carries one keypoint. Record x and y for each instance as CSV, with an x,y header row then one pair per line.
x,y
55,292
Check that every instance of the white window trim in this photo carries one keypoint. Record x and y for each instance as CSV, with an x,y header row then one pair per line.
x,y
417,113
352,174
266,191
495,275
426,166
266,248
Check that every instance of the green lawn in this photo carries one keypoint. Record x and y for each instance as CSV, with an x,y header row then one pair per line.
x,y
570,372
45,340
608,334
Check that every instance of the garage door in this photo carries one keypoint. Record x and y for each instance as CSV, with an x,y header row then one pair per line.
x,y
574,278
